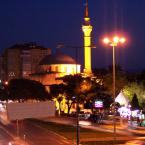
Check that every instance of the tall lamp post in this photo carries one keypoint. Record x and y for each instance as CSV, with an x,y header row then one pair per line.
x,y
77,98
61,45
114,42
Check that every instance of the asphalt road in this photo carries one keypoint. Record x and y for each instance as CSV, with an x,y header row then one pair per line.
x,y
5,137
35,135
42,136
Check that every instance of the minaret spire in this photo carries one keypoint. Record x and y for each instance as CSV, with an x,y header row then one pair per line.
x,y
86,18
87,10
87,29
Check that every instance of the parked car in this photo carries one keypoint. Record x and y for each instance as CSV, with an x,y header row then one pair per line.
x,y
84,116
96,118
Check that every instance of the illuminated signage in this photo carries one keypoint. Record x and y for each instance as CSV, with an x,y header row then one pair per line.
x,y
98,104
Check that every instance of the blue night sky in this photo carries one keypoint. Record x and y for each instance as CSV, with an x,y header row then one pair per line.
x,y
50,22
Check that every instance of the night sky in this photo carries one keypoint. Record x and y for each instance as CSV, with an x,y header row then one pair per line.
x,y
50,22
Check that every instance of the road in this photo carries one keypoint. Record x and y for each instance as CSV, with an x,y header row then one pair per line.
x,y
35,135
5,136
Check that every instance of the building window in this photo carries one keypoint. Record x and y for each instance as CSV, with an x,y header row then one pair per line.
x,y
11,74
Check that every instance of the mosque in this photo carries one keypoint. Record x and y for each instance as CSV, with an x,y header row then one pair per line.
x,y
58,65
55,66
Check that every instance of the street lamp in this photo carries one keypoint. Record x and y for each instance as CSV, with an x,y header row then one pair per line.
x,y
114,42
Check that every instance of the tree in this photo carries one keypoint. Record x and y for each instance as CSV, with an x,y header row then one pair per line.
x,y
120,79
76,89
135,103
105,98
4,96
24,89
69,96
134,88
57,93
73,89
141,77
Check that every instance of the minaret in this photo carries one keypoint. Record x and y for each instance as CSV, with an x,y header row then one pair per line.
x,y
87,29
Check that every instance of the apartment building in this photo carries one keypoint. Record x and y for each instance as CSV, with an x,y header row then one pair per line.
x,y
20,60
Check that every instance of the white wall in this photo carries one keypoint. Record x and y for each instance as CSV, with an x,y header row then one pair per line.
x,y
19,111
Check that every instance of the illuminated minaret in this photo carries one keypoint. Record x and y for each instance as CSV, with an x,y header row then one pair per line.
x,y
87,29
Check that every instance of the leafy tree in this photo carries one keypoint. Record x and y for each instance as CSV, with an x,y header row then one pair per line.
x,y
76,89
135,88
39,91
24,89
132,77
74,82
4,92
73,89
104,90
100,72
88,90
141,77
98,92
120,80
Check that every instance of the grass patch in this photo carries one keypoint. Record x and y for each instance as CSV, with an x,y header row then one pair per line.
x,y
103,143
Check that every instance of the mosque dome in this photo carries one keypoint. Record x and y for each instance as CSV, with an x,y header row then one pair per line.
x,y
57,58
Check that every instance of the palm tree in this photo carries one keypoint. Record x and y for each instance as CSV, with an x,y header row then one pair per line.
x,y
57,93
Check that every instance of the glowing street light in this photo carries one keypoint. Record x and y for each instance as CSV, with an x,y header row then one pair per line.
x,y
114,42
